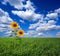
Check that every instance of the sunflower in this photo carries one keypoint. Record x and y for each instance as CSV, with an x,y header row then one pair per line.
x,y
20,33
14,25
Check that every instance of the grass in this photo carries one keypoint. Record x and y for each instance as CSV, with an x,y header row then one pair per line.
x,y
30,47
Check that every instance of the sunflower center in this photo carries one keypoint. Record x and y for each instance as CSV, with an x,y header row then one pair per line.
x,y
20,33
14,25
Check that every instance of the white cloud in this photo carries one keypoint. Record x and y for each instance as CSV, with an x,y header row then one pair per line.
x,y
52,22
33,26
29,5
52,15
28,14
8,33
33,33
16,3
5,21
57,10
47,27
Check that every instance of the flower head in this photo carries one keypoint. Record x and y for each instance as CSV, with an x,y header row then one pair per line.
x,y
14,25
20,33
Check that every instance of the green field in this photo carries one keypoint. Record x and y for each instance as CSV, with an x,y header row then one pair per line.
x,y
30,47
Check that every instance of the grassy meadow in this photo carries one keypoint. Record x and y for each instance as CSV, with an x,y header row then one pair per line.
x,y
30,47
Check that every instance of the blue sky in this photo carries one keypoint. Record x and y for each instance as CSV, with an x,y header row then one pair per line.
x,y
37,18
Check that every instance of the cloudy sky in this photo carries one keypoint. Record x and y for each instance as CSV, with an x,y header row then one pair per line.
x,y
38,18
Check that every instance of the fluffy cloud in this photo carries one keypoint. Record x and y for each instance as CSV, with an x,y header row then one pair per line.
x,y
57,10
5,21
28,14
51,22
33,33
52,15
16,3
30,33
47,27
29,5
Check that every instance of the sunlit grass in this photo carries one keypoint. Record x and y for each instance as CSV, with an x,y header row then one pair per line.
x,y
30,47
